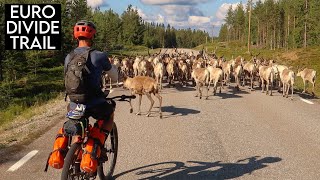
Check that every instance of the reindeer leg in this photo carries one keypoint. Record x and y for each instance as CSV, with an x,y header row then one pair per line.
x,y
283,89
215,88
267,84
228,79
221,84
304,86
251,85
200,91
313,84
238,84
271,86
291,91
197,89
104,83
131,109
207,90
262,85
160,104
152,102
110,83
243,79
279,86
140,98
287,93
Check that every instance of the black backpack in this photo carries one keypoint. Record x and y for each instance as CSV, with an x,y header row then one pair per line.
x,y
76,77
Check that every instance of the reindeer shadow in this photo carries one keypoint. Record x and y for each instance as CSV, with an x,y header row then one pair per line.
x,y
305,95
178,111
201,170
224,95
179,87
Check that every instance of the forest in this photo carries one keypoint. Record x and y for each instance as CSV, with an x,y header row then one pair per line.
x,y
275,24
114,32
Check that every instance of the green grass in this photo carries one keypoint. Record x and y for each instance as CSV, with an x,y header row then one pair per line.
x,y
309,57
133,51
19,97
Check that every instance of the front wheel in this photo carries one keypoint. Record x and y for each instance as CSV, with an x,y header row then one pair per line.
x,y
71,166
106,169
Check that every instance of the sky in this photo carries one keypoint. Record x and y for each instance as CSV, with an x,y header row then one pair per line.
x,y
205,15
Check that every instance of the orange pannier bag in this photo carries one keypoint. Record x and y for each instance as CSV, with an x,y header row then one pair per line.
x,y
56,157
89,162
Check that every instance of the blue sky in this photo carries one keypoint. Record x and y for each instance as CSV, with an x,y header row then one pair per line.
x,y
198,14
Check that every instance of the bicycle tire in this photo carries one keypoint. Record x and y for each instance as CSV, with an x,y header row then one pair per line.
x,y
69,160
106,175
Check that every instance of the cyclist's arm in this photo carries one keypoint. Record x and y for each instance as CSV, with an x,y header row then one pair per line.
x,y
105,62
110,70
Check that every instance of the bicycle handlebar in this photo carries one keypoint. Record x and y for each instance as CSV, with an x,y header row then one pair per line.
x,y
122,97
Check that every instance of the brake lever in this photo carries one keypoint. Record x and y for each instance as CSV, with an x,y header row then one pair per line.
x,y
123,100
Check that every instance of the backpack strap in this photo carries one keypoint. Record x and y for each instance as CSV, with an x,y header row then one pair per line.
x,y
72,54
88,56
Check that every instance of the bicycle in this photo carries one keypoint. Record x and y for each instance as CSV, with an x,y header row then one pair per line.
x,y
71,168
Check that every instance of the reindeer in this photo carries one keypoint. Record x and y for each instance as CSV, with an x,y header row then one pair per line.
x,y
158,73
267,75
126,67
171,69
238,70
308,75
250,69
216,75
136,65
143,85
201,77
287,78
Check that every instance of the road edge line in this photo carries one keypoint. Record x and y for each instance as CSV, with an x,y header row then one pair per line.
x,y
23,160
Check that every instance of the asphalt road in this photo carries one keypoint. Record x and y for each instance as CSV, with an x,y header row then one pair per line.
x,y
234,135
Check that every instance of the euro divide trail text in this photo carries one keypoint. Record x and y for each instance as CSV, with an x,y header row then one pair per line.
x,y
33,26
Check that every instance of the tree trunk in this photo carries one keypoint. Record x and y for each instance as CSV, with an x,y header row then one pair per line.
x,y
274,38
288,33
1,70
258,34
305,26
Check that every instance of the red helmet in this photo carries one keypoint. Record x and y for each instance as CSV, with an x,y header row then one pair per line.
x,y
84,29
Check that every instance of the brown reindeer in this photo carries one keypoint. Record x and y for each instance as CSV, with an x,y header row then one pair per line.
x,y
143,85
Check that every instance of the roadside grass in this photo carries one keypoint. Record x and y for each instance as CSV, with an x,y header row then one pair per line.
x,y
134,51
295,58
22,97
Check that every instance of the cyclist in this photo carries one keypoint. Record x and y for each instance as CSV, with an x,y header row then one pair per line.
x,y
97,62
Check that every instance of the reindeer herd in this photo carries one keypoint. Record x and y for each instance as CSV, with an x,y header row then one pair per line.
x,y
143,75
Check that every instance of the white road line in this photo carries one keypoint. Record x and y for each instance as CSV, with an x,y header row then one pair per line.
x,y
306,101
23,160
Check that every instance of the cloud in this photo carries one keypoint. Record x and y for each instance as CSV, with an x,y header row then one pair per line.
x,y
141,14
150,18
176,2
223,9
160,18
198,20
96,3
182,14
